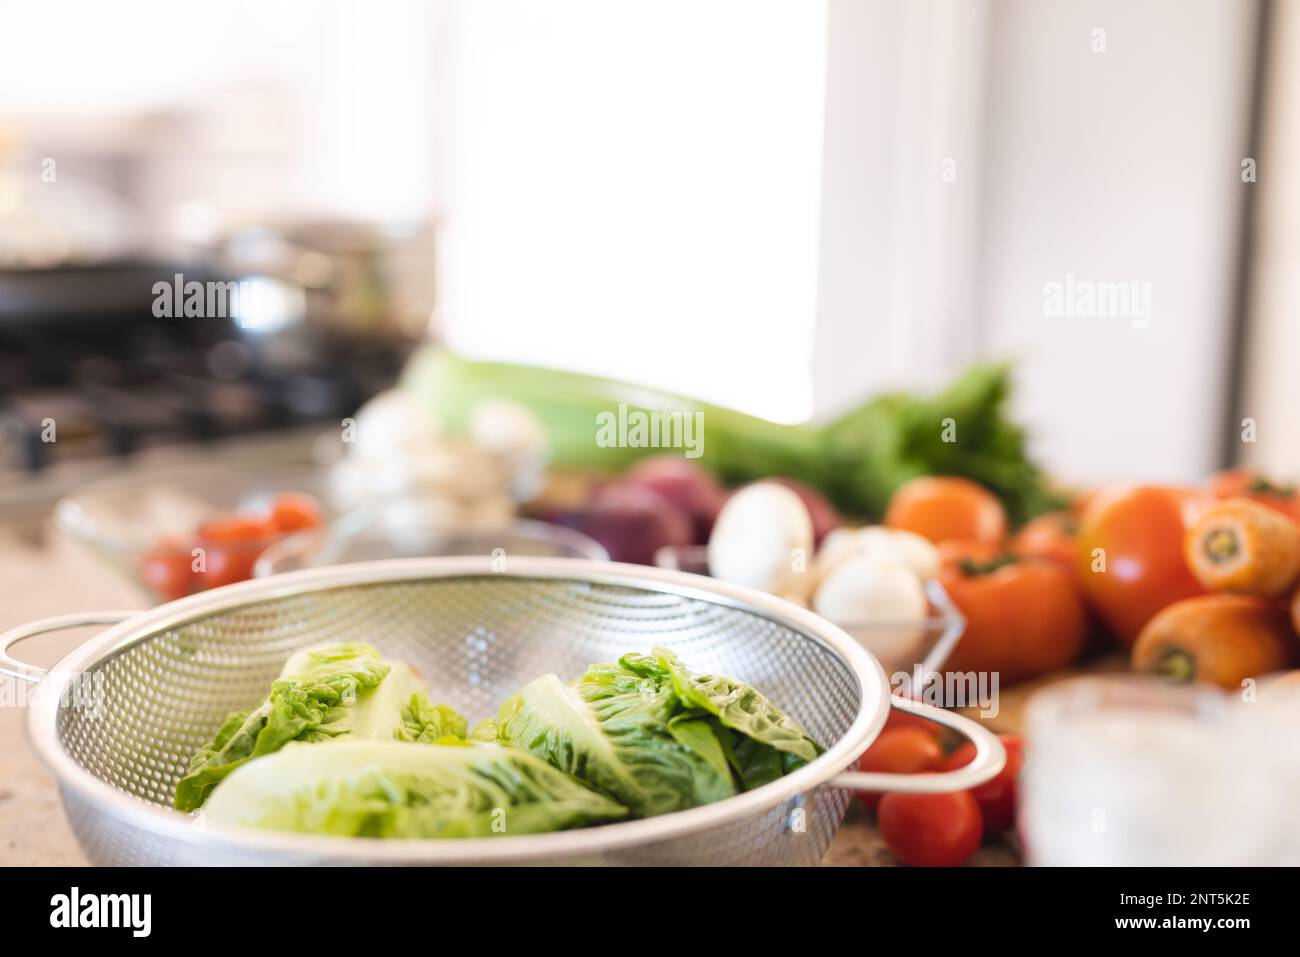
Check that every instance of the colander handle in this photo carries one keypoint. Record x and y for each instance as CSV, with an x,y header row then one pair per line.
x,y
25,672
990,757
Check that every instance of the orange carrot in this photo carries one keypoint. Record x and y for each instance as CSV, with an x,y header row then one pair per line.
x,y
1245,548
1218,639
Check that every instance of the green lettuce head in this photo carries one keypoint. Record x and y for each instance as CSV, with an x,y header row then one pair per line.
x,y
654,736
337,692
393,790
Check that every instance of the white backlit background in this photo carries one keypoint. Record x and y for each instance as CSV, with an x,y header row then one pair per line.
x,y
621,199
738,200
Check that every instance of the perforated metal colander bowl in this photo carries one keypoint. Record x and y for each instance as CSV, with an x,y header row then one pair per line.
x,y
118,719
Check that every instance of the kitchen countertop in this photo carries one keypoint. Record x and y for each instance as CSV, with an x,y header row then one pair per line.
x,y
45,574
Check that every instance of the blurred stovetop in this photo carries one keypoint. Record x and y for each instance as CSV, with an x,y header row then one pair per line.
x,y
89,375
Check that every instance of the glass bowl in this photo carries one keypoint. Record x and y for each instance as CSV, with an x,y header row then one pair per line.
x,y
909,652
145,523
418,530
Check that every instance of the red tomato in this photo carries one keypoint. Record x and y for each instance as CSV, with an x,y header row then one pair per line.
x,y
224,564
166,571
931,830
965,753
905,750
897,718
231,544
1023,618
294,512
1139,531
996,797
236,528
1049,536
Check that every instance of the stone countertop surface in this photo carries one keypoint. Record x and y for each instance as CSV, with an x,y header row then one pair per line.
x,y
44,573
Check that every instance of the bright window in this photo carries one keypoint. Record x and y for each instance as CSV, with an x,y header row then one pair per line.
x,y
623,198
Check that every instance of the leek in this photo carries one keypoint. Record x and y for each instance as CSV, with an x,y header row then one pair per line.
x,y
857,460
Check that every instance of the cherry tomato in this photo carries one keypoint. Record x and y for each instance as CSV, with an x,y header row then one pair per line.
x,y
294,512
905,750
236,528
1023,617
166,571
941,508
996,797
897,718
1049,536
224,564
1139,569
964,753
931,830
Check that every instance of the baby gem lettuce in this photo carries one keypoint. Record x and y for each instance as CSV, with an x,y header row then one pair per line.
x,y
349,745
328,693
654,736
396,790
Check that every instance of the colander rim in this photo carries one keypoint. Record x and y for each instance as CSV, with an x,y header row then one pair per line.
x,y
166,822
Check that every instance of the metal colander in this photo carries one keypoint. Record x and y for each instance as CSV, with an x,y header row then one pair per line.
x,y
118,719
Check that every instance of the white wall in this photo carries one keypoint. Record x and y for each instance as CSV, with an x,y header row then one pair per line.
x,y
1120,165
899,225
1117,165
1272,385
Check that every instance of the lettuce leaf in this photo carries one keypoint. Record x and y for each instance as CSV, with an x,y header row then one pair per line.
x,y
654,736
611,730
641,736
392,790
485,730
425,722
326,693
758,725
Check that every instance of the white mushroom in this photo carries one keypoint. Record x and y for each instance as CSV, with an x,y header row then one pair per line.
x,y
870,589
885,543
914,551
763,538
390,424
507,429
